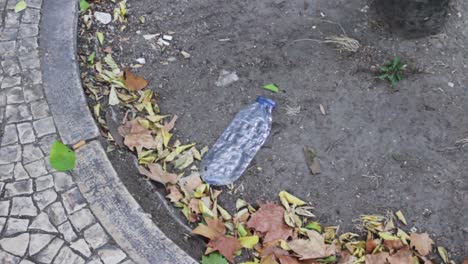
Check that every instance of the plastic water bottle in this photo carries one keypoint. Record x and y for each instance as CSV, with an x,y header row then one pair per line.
x,y
235,148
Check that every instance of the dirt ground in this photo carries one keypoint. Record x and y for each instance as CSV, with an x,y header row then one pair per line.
x,y
380,149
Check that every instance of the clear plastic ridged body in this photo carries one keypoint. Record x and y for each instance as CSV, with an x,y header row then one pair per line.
x,y
235,148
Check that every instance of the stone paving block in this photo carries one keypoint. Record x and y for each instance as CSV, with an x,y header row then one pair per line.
x,y
42,223
81,246
82,219
128,262
12,19
15,245
38,241
14,95
96,236
56,213
7,48
6,171
36,168
2,222
10,135
66,255
7,34
18,113
44,198
44,182
8,258
25,261
10,154
30,60
26,133
67,231
19,188
15,226
10,67
2,98
94,260
10,81
2,184
19,172
44,126
28,30
111,254
63,181
31,153
27,45
34,3
40,109
23,206
31,16
73,200
32,76
4,208
48,253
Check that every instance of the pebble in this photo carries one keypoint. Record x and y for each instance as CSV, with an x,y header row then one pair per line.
x,y
141,60
226,78
167,37
104,18
451,84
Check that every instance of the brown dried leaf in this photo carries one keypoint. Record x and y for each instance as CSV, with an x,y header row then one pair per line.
x,y
133,82
393,244
190,183
169,126
422,242
156,173
194,206
403,256
288,260
270,259
371,245
346,258
380,258
269,220
311,160
313,248
136,136
174,194
227,246
214,228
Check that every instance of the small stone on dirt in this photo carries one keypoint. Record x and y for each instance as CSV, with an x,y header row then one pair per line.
x,y
141,60
451,84
226,78
104,18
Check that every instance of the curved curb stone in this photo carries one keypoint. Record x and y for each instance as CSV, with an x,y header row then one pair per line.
x,y
110,201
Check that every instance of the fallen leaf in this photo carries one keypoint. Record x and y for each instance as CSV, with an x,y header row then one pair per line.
x,y
156,173
403,256
287,198
311,160
322,109
443,254
312,248
371,244
100,37
214,258
269,221
271,87
169,126
380,258
113,98
393,244
190,183
401,217
214,228
20,6
348,258
288,260
61,157
465,260
133,82
314,226
84,5
227,246
270,259
248,241
422,243
194,206
174,194
137,136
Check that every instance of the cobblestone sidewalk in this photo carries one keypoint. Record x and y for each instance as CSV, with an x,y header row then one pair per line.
x,y
43,215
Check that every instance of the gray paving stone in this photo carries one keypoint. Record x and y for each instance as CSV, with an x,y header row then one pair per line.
x,y
26,133
2,222
44,198
81,246
73,200
63,181
32,76
10,81
8,34
2,98
10,67
44,126
7,48
31,153
6,171
2,184
18,113
10,136
44,182
111,254
67,231
31,16
15,245
42,222
32,93
38,242
128,262
12,19
10,154
25,261
19,172
28,30
34,3
94,260
19,188
8,258
48,253
82,219
4,208
36,168
40,109
56,212
14,95
96,236
15,226
66,255
23,206
27,45
46,143
30,60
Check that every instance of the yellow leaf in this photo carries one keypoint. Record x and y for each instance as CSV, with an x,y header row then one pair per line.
x,y
100,37
240,203
156,118
401,217
196,153
166,137
200,190
387,236
248,241
404,237
289,198
206,212
224,214
443,254
20,6
284,245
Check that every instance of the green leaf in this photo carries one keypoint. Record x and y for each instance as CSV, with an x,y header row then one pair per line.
x,y
100,37
241,230
384,68
61,157
271,87
314,226
396,62
330,259
383,76
84,5
214,258
20,6
91,58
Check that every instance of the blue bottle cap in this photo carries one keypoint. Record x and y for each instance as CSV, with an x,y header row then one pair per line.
x,y
266,101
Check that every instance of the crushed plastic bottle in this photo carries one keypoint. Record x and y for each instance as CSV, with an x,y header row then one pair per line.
x,y
235,148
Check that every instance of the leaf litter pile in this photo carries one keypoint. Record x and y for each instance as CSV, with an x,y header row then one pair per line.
x,y
272,233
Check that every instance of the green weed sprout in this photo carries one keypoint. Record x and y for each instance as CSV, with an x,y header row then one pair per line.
x,y
393,71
